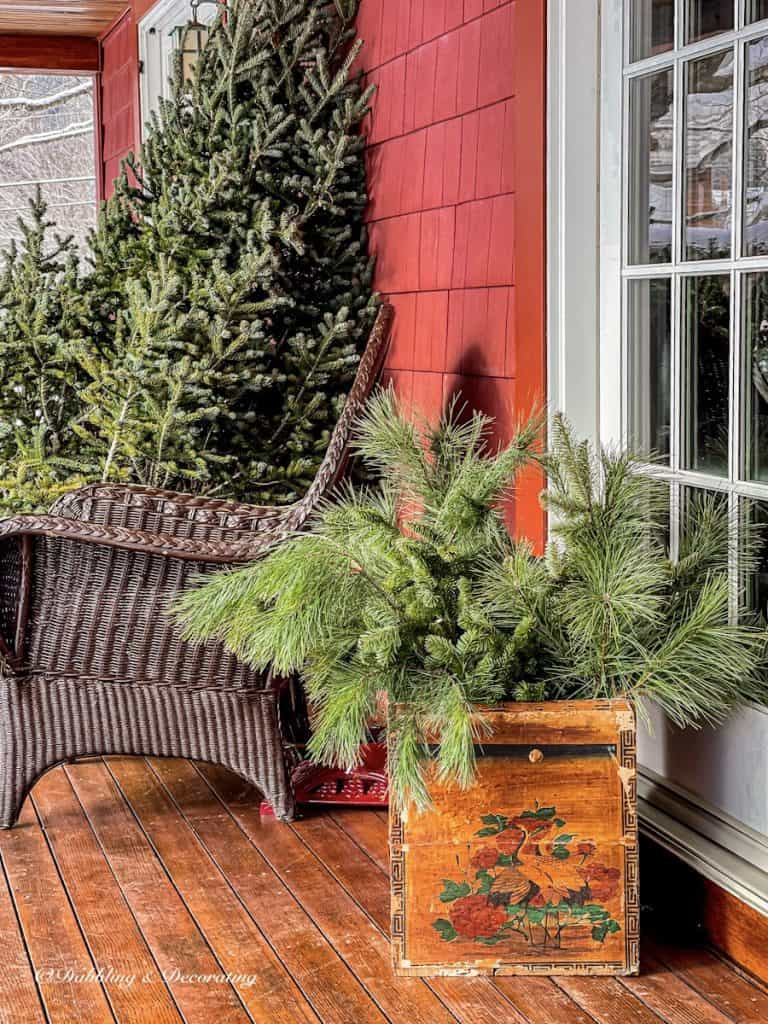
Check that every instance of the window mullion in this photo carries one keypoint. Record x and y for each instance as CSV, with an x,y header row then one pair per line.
x,y
739,107
678,158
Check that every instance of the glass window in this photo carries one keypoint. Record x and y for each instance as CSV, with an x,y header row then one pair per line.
x,y
695,295
650,177
754,515
708,156
650,306
652,27
756,10
707,369
705,18
756,150
755,335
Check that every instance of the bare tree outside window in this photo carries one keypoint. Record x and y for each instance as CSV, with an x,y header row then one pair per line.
x,y
47,139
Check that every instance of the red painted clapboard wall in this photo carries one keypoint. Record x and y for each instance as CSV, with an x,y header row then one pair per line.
x,y
457,197
457,207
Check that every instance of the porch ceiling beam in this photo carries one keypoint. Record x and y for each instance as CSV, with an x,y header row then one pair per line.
x,y
48,53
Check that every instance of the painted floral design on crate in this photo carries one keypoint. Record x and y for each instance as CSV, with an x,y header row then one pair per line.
x,y
530,877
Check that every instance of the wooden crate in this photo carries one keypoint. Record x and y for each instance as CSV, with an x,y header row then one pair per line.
x,y
533,870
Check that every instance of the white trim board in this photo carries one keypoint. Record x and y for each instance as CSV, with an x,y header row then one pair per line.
x,y
720,848
573,74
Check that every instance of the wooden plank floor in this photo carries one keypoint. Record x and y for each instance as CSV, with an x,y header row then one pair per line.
x,y
151,892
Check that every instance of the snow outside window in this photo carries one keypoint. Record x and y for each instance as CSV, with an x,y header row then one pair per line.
x,y
47,140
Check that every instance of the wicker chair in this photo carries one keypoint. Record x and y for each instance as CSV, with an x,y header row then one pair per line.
x,y
91,664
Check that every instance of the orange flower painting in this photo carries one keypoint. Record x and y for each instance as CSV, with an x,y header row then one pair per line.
x,y
530,877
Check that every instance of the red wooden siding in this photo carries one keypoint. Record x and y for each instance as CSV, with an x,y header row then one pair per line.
x,y
457,209
119,97
49,53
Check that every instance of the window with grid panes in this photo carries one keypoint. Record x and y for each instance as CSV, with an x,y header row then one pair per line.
x,y
695,254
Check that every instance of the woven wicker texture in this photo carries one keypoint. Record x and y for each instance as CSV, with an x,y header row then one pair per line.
x,y
91,661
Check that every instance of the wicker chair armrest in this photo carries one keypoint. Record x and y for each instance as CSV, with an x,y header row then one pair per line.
x,y
194,550
246,516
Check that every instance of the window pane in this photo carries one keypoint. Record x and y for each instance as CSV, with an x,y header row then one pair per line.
x,y
756,354
756,522
652,28
707,352
706,18
650,171
756,10
708,154
650,304
756,151
696,502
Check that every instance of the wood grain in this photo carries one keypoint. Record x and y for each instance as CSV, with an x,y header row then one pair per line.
x,y
19,998
341,920
48,53
536,1000
548,829
51,932
264,986
118,948
334,992
735,928
671,997
53,17
111,885
607,1001
171,932
716,981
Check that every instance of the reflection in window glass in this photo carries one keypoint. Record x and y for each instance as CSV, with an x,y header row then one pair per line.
x,y
708,156
756,151
697,503
707,352
756,353
652,27
706,18
756,10
649,325
755,517
650,184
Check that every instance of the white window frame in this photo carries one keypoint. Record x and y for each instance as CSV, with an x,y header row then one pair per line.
x,y
586,381
587,343
157,46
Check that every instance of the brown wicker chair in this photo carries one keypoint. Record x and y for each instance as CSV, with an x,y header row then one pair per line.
x,y
91,664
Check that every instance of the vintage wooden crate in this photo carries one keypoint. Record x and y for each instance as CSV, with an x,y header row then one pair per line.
x,y
533,870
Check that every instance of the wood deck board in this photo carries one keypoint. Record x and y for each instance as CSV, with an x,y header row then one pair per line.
x,y
51,932
337,915
117,946
264,986
330,986
20,1001
166,869
170,930
534,1000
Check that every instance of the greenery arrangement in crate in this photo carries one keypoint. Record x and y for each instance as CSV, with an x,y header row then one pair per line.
x,y
415,588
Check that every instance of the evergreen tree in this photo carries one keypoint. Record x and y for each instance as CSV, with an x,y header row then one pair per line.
x,y
41,317
213,338
249,198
